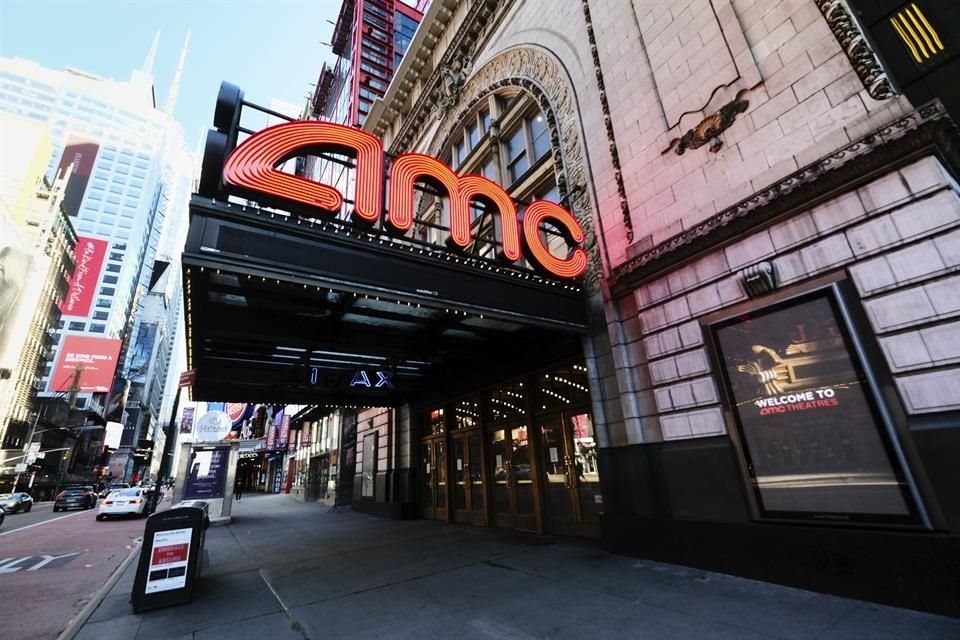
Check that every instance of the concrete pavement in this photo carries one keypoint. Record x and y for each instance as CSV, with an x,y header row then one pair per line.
x,y
285,569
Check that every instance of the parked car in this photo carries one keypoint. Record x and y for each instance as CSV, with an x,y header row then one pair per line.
x,y
123,502
75,498
15,502
1,517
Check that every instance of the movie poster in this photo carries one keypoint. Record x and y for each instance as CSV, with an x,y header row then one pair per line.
x,y
207,473
186,420
806,415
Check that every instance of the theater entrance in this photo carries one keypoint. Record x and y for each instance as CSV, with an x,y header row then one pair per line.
x,y
522,456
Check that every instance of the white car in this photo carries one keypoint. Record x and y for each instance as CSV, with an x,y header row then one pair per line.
x,y
123,502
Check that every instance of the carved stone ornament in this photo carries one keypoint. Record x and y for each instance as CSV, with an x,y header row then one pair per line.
x,y
928,129
454,75
857,49
541,77
710,128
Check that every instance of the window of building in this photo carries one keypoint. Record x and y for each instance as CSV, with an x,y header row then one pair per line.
x,y
516,148
113,268
100,315
109,279
77,326
540,135
107,291
98,328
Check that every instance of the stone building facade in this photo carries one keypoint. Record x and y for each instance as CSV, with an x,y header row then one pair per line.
x,y
728,159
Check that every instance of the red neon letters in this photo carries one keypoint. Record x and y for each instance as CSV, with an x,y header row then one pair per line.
x,y
251,166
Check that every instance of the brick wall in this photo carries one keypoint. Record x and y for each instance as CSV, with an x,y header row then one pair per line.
x,y
897,238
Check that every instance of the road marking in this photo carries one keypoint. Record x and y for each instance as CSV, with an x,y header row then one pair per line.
x,y
48,559
9,565
37,524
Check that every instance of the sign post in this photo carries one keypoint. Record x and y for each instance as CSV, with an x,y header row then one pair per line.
x,y
170,558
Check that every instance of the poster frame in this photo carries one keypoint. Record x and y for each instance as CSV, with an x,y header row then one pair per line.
x,y
866,358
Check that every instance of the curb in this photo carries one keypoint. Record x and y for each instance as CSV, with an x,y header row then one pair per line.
x,y
73,627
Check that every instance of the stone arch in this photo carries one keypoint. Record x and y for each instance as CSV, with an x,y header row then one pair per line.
x,y
541,77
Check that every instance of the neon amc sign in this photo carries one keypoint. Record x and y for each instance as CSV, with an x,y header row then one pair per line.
x,y
252,167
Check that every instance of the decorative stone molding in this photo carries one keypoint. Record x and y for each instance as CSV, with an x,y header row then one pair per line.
x,y
540,76
608,124
928,129
855,46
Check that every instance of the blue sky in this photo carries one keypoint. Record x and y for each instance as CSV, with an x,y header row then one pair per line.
x,y
269,48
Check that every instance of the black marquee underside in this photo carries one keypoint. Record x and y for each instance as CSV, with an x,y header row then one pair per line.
x,y
287,310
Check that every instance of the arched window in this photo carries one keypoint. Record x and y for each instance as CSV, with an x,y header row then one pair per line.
x,y
505,139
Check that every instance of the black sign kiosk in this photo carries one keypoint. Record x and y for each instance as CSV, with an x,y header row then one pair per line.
x,y
170,557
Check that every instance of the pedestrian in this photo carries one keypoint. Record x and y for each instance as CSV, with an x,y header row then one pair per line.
x,y
238,489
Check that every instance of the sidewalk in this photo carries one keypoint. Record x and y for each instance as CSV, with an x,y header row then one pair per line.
x,y
288,570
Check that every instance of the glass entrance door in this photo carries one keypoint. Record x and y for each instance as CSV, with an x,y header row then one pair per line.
x,y
514,496
572,480
433,474
467,468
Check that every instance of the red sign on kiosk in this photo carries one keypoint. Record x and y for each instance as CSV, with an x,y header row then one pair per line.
x,y
252,166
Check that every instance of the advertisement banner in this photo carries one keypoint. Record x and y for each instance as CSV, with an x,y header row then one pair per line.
x,y
271,434
186,420
94,358
16,266
118,400
88,255
80,155
207,473
305,435
168,560
114,433
284,431
807,417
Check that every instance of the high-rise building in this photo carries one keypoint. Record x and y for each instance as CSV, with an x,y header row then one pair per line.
x,y
37,244
370,38
129,180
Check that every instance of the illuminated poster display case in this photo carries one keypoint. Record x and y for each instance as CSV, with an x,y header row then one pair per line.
x,y
818,440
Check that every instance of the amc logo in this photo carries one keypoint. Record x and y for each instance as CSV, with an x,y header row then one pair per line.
x,y
251,168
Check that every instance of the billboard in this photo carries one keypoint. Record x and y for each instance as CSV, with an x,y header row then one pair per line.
x,y
117,402
16,269
80,155
238,412
143,350
95,358
811,429
88,255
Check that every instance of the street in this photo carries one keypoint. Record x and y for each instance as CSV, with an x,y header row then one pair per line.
x,y
51,564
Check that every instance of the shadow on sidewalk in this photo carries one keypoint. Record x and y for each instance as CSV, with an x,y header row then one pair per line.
x,y
288,569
